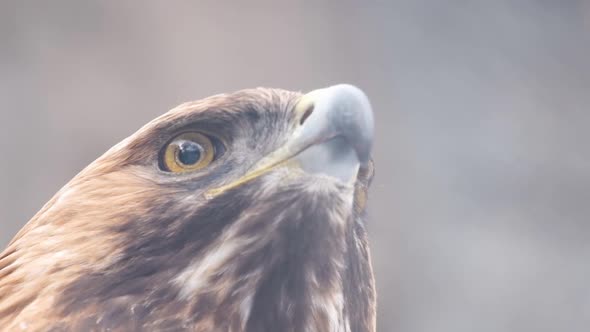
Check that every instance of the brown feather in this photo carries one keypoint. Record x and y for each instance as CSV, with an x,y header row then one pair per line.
x,y
119,246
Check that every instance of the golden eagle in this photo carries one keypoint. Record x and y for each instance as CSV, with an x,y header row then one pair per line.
x,y
238,212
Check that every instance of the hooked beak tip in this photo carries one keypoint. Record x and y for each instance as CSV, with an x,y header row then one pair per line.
x,y
336,130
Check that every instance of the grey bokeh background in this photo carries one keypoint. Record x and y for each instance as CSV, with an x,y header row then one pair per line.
x,y
481,201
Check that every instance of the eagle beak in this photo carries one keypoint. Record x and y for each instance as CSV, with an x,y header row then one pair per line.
x,y
334,136
336,132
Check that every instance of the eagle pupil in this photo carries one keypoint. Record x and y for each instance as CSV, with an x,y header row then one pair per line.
x,y
189,152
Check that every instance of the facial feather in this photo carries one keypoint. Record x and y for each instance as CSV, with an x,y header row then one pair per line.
x,y
127,246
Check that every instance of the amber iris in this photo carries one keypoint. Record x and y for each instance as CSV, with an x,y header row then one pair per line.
x,y
188,152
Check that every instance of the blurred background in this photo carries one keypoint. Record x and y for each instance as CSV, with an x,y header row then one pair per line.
x,y
480,206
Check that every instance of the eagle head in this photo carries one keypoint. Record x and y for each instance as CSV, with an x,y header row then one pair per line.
x,y
238,212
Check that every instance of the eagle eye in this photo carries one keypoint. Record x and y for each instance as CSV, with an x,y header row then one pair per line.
x,y
188,152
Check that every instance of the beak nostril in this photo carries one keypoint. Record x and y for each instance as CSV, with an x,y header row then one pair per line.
x,y
307,113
